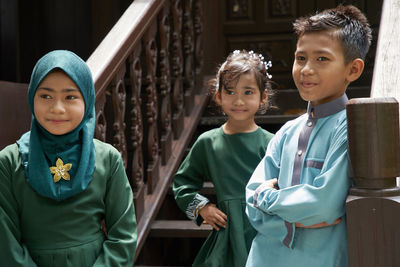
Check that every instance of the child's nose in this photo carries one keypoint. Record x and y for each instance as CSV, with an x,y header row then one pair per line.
x,y
307,69
239,100
57,107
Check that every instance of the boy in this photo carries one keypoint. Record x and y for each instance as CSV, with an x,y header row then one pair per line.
x,y
296,196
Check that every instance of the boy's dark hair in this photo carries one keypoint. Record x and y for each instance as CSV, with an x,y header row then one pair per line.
x,y
349,25
242,62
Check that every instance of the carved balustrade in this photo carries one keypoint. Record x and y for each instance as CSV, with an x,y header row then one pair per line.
x,y
144,72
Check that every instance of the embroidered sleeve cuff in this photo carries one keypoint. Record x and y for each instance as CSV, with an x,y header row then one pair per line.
x,y
192,210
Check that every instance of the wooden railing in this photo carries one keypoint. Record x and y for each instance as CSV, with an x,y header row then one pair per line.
x,y
144,72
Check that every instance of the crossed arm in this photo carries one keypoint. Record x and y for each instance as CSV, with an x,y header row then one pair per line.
x,y
272,184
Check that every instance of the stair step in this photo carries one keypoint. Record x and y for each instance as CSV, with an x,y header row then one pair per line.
x,y
179,229
170,210
208,189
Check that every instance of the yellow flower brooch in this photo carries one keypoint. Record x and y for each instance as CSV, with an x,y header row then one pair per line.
x,y
60,170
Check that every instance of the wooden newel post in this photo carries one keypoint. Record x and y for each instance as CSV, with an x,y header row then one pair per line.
x,y
373,204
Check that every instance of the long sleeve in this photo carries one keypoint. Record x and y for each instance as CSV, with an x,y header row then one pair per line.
x,y
188,181
120,245
266,223
320,196
13,252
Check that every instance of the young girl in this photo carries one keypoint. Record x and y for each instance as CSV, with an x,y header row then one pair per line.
x,y
227,156
57,183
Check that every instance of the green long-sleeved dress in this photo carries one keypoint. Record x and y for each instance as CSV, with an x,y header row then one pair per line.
x,y
228,162
38,231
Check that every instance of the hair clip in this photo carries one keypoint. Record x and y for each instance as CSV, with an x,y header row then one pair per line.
x,y
267,66
251,53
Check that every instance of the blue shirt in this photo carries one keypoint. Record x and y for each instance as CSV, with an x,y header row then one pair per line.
x,y
309,157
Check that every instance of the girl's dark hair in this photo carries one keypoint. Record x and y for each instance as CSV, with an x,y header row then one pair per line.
x,y
349,25
243,62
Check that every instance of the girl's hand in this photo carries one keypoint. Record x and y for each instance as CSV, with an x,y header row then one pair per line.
x,y
213,216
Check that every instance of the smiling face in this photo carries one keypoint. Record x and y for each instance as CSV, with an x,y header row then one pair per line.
x,y
240,100
319,69
59,106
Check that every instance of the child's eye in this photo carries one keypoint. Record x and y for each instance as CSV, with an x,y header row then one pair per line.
x,y
229,92
44,96
322,59
300,58
248,92
71,97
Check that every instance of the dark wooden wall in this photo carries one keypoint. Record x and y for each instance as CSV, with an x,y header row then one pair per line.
x,y
29,29
265,26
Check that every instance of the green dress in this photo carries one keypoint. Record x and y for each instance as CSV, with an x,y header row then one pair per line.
x,y
39,231
228,162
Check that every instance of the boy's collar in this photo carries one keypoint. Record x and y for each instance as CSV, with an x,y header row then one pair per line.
x,y
327,109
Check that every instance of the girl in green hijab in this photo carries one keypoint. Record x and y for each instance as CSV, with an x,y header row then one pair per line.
x,y
57,183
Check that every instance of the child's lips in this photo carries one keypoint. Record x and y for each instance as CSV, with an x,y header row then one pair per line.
x,y
308,84
57,121
238,110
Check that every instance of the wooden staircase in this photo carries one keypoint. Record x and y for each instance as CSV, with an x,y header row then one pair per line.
x,y
149,100
173,237
150,105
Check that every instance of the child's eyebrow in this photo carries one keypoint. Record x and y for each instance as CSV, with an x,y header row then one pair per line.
x,y
244,88
66,90
323,51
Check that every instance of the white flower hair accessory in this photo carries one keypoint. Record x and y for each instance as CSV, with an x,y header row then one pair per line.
x,y
267,64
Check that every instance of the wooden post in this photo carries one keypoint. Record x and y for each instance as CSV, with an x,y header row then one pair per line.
x,y
373,204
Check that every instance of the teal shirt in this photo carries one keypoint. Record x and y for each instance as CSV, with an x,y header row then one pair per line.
x,y
318,196
39,231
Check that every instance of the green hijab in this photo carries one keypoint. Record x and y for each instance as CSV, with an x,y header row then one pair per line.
x,y
40,149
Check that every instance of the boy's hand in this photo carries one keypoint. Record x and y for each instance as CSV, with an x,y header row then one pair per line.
x,y
213,216
271,183
319,225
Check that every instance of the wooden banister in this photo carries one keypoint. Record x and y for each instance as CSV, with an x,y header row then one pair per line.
x,y
145,77
115,48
